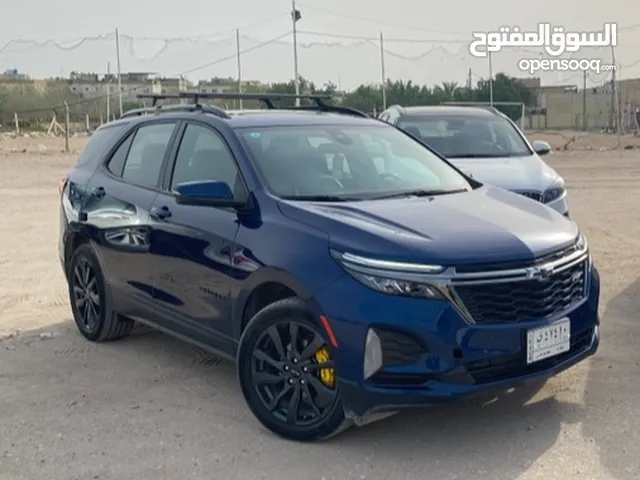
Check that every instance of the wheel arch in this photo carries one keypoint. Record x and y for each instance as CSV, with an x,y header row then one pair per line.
x,y
264,287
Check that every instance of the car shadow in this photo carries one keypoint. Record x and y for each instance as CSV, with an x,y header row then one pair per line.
x,y
496,436
612,397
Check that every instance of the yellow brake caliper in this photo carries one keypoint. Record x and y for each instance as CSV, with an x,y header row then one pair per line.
x,y
327,375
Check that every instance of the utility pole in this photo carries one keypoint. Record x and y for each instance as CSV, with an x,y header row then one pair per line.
x,y
584,101
469,82
490,81
108,91
119,71
384,73
239,66
295,16
615,94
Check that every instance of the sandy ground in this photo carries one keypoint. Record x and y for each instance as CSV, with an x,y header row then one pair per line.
x,y
150,407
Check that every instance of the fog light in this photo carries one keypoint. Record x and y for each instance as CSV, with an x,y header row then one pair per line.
x,y
372,354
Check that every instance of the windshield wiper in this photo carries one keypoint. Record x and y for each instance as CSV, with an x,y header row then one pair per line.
x,y
420,193
320,198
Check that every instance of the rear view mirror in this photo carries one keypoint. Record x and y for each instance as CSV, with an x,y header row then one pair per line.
x,y
541,147
208,193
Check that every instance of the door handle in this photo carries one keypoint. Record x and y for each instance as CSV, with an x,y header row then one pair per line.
x,y
160,213
98,192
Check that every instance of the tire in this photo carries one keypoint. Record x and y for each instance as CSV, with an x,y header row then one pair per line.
x,y
92,309
319,414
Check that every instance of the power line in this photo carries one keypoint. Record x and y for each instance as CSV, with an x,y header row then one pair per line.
x,y
195,69
378,22
394,40
77,42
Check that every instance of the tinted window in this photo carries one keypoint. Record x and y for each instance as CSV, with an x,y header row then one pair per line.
x,y
204,155
474,137
362,162
116,163
99,142
144,161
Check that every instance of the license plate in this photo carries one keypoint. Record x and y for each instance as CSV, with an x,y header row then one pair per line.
x,y
548,341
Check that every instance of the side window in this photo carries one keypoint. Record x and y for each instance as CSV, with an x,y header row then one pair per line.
x,y
98,142
116,164
204,155
146,153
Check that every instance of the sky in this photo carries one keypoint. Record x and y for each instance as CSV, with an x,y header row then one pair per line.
x,y
337,40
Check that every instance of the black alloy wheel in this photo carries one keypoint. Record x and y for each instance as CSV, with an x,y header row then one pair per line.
x,y
288,375
90,303
86,296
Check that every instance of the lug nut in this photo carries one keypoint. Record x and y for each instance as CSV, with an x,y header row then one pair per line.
x,y
295,360
291,381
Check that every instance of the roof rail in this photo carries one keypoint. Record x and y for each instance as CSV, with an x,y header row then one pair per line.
x,y
267,99
218,112
333,109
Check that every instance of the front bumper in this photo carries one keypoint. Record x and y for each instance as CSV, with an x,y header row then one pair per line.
x,y
459,359
363,400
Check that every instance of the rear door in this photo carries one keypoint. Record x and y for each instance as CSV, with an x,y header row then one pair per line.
x,y
192,246
122,191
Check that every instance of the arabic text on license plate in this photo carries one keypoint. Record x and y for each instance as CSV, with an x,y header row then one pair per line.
x,y
548,341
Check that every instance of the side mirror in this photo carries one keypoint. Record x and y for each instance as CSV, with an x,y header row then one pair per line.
x,y
541,147
208,193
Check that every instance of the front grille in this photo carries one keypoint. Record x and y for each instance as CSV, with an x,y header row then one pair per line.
x,y
533,195
502,368
521,301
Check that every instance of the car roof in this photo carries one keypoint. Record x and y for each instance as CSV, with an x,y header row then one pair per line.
x,y
449,110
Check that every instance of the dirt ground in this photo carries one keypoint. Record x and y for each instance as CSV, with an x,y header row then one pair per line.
x,y
150,407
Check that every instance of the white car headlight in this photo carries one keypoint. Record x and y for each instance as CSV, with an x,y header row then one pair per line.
x,y
554,191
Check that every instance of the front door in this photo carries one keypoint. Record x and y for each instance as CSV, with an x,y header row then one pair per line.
x,y
192,246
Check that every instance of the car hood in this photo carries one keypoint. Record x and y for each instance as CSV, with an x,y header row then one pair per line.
x,y
512,173
484,225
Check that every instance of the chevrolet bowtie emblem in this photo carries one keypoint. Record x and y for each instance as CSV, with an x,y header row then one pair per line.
x,y
539,273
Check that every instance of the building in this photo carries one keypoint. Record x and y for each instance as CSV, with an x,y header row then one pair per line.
x,y
12,81
92,85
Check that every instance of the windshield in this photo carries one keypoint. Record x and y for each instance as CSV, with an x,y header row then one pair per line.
x,y
347,162
458,136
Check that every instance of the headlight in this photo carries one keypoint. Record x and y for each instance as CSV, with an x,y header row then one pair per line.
x,y
554,192
391,278
581,243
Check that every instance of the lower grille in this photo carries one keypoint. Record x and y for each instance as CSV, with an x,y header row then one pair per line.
x,y
502,368
533,195
521,301
399,348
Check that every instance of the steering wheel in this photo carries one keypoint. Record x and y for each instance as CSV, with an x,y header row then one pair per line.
x,y
391,176
490,144
330,179
311,188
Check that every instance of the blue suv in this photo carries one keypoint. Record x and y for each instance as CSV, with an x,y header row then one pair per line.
x,y
347,268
